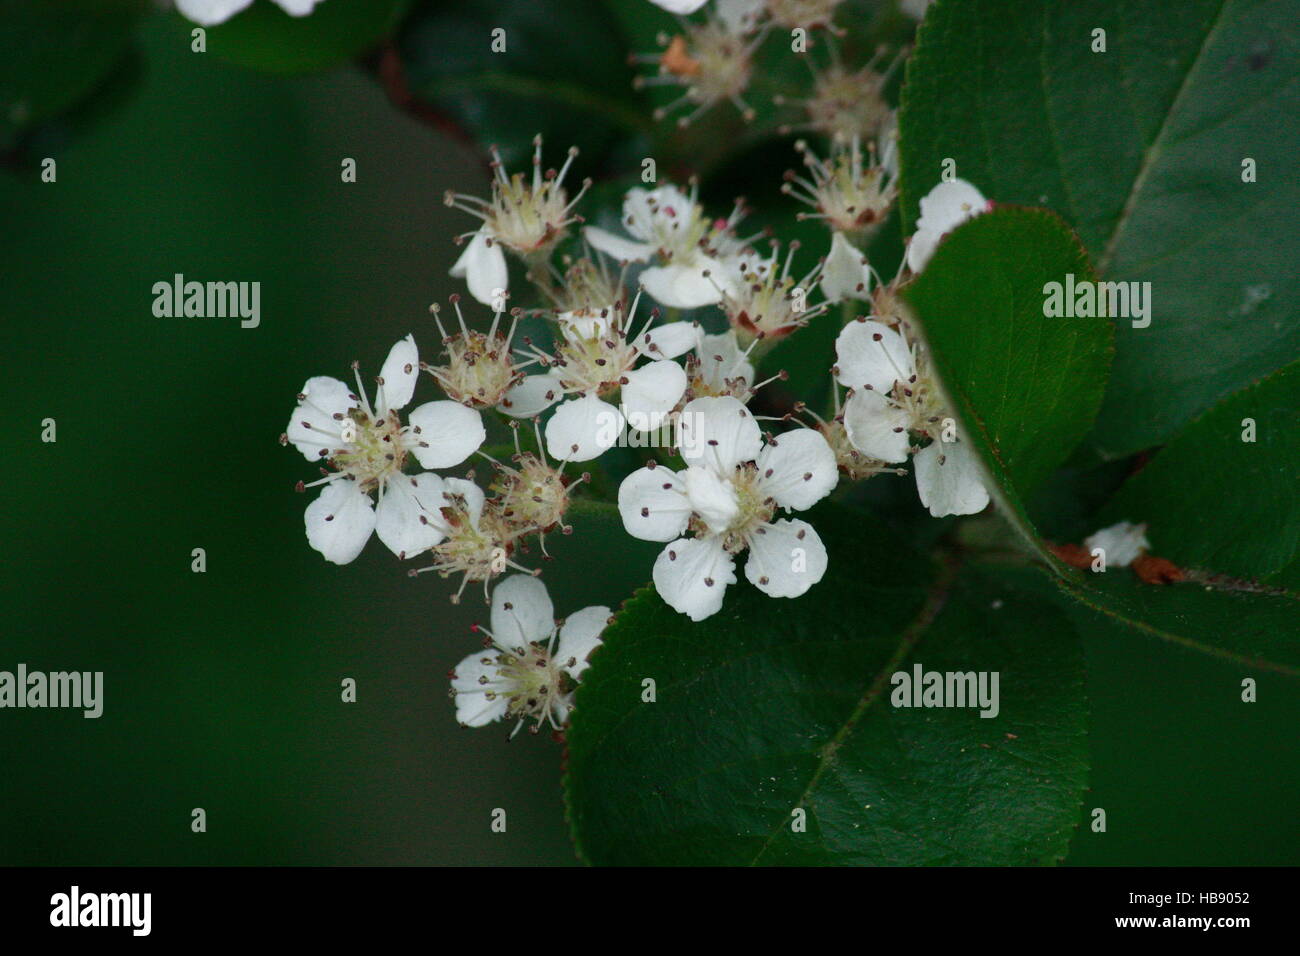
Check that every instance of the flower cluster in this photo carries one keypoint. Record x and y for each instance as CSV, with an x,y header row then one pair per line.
x,y
646,332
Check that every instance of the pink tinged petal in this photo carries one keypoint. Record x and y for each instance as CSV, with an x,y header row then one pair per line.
x,y
875,427
651,392
683,286
798,469
209,13
691,575
870,353
711,497
718,432
653,505
314,427
579,636
845,275
483,267
670,340
340,521
532,396
522,612
949,480
582,429
397,516
786,558
446,433
616,247
473,709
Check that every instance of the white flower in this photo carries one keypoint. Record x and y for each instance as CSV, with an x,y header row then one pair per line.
x,y
367,447
480,370
526,217
846,274
760,297
802,13
894,397
846,105
527,669
669,226
1122,543
209,13
712,61
848,191
598,358
728,496
943,209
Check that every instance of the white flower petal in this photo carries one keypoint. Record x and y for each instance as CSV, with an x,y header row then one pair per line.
x,y
681,286
943,209
473,709
786,558
845,275
582,428
739,16
472,493
871,353
658,215
718,432
616,247
712,497
397,516
653,505
651,392
297,8
447,433
522,612
875,427
399,374
585,325
339,522
798,469
209,13
948,479
1123,543
670,340
532,396
579,636
483,267
314,429
682,7
692,574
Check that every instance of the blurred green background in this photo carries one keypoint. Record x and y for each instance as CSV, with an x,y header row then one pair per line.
x,y
222,689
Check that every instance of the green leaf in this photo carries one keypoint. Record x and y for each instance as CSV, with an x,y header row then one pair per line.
x,y
264,37
1025,386
777,705
1217,502
1141,149
1255,628
565,77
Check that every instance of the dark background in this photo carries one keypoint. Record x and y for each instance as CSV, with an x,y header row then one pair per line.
x,y
222,689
